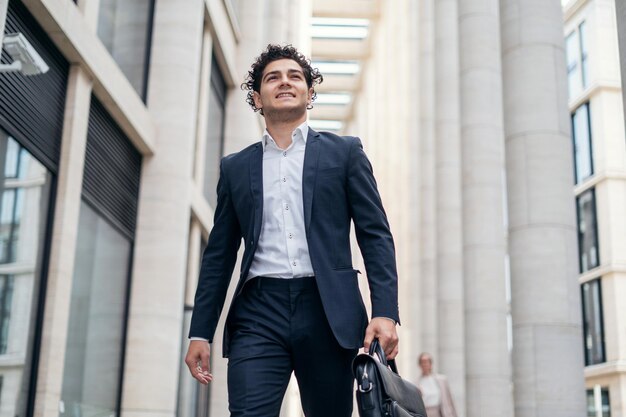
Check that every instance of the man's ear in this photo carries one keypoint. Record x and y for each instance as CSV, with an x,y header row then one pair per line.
x,y
310,96
257,100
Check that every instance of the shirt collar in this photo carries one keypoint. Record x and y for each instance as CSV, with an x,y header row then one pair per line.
x,y
302,131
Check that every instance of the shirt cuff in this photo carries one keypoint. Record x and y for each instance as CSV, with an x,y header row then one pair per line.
x,y
198,338
380,317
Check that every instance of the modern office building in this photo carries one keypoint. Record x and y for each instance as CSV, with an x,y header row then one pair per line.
x,y
595,102
111,159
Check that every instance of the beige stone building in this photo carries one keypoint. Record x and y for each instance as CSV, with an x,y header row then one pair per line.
x,y
110,162
596,107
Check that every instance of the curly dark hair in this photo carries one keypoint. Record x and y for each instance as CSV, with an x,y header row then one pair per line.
x,y
272,53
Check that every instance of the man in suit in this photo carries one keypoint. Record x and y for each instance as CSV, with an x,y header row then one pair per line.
x,y
297,306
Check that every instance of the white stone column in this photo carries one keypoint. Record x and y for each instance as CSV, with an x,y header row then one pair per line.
x,y
428,227
242,126
276,21
450,360
160,253
488,368
63,246
4,5
547,356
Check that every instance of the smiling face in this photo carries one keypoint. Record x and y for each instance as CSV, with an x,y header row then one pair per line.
x,y
284,93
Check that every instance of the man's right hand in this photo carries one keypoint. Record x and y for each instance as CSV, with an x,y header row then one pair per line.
x,y
197,360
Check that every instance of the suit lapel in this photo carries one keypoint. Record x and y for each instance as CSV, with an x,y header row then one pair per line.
x,y
309,173
256,187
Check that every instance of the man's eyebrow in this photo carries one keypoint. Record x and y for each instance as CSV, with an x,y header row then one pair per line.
x,y
289,71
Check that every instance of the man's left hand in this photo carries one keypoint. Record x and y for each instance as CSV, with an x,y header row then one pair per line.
x,y
385,330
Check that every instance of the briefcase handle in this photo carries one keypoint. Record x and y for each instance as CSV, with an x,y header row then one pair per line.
x,y
376,348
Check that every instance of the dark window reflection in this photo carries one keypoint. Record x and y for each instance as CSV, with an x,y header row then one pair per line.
x,y
587,231
93,357
125,29
592,322
24,199
193,398
598,399
581,129
215,133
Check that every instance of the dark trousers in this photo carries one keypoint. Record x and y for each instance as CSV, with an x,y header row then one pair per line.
x,y
278,326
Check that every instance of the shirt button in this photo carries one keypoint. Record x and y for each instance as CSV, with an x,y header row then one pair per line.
x,y
285,154
284,179
290,235
294,263
286,206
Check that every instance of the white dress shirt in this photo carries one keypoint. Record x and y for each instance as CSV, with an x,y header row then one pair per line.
x,y
431,394
282,250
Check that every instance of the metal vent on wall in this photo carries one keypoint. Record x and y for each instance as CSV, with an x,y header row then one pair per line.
x,y
112,171
32,108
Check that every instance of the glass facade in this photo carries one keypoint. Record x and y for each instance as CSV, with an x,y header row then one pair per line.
x,y
215,133
581,128
24,211
577,60
193,397
587,231
97,322
598,400
593,327
573,67
584,61
125,29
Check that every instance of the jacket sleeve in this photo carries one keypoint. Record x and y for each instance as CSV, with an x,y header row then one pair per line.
x,y
373,234
218,262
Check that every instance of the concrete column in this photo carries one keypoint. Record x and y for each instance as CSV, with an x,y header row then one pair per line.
x,y
547,358
243,126
160,257
428,228
63,246
450,360
488,368
4,5
620,8
276,21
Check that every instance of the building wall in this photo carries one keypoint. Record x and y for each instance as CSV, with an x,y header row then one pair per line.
x,y
604,95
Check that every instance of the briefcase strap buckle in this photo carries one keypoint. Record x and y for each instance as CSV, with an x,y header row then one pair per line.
x,y
365,385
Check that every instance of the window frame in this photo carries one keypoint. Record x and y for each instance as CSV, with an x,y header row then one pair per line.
x,y
597,282
586,104
580,235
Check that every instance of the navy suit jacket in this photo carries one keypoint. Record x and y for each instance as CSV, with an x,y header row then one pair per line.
x,y
338,186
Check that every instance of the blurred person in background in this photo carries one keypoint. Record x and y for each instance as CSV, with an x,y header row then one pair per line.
x,y
435,389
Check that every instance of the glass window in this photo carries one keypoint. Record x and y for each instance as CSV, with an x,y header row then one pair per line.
x,y
598,400
593,328
215,133
193,398
581,133
573,77
125,29
25,194
97,318
584,62
587,231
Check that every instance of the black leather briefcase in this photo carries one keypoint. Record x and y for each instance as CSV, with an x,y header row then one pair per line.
x,y
381,392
